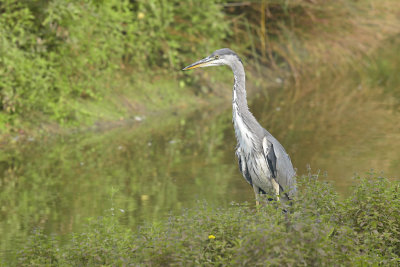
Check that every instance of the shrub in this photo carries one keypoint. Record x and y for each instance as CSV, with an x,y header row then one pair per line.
x,y
373,212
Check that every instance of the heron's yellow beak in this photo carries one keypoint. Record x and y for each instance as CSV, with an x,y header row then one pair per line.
x,y
201,63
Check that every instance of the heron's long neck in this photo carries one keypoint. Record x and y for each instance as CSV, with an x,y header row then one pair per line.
x,y
239,99
244,122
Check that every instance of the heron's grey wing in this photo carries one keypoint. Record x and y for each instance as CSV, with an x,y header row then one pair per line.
x,y
270,156
281,171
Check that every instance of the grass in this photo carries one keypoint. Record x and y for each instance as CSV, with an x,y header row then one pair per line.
x,y
320,229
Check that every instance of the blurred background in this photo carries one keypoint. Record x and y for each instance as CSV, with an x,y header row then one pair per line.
x,y
97,118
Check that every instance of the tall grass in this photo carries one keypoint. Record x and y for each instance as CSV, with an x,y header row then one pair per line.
x,y
300,36
320,229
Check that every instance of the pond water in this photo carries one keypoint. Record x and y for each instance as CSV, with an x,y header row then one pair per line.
x,y
147,170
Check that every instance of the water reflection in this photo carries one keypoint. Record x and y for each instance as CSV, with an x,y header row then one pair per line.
x,y
145,172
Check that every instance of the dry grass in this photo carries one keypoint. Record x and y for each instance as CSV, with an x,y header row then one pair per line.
x,y
297,33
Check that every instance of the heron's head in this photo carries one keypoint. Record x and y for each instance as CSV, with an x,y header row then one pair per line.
x,y
223,56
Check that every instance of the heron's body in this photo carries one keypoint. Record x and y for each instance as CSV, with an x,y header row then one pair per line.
x,y
263,161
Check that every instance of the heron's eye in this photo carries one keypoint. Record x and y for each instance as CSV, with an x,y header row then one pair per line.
x,y
216,57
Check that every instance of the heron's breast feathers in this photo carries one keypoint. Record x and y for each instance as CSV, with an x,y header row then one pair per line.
x,y
245,138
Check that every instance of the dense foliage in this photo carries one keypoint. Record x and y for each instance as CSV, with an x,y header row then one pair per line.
x,y
319,230
53,52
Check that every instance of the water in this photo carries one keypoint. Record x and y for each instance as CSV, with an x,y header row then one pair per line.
x,y
147,170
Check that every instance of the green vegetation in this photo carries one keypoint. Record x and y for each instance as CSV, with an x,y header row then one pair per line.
x,y
71,63
57,53
320,230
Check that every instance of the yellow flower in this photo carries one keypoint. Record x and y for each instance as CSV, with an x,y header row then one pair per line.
x,y
140,15
211,237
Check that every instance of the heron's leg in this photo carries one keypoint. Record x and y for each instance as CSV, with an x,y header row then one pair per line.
x,y
276,188
257,193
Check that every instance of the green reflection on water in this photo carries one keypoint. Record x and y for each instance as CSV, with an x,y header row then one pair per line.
x,y
57,184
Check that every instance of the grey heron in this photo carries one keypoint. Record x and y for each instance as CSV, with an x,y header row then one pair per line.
x,y
263,161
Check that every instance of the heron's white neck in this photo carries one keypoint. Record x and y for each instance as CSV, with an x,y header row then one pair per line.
x,y
240,110
239,86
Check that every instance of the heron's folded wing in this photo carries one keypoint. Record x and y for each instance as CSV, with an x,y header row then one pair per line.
x,y
270,157
282,172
